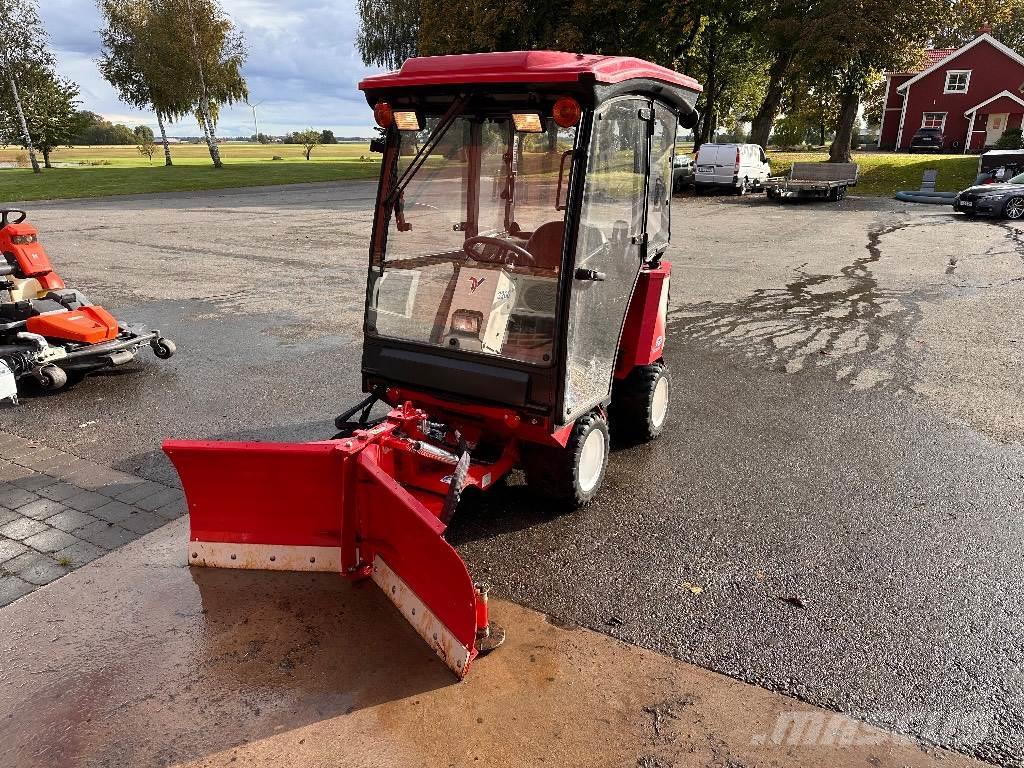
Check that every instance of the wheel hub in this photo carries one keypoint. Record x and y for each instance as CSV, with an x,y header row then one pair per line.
x,y
591,460
659,403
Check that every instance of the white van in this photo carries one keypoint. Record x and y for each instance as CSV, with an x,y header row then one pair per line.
x,y
738,167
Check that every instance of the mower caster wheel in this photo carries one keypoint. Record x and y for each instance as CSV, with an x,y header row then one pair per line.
x,y
571,476
51,378
164,348
640,403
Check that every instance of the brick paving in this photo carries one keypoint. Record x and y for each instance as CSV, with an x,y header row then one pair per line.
x,y
59,512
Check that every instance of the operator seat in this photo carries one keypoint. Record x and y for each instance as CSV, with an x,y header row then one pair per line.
x,y
545,245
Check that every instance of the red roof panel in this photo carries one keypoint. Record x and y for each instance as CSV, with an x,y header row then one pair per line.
x,y
524,67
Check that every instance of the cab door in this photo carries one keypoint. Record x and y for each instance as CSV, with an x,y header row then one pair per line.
x,y
610,246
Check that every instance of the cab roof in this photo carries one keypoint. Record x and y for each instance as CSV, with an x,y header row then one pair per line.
x,y
525,67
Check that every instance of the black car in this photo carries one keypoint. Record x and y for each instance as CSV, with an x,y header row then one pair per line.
x,y
999,200
683,172
927,140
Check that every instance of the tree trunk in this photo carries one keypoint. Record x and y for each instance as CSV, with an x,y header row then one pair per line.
x,y
706,127
839,152
209,133
163,140
46,157
204,99
761,125
26,138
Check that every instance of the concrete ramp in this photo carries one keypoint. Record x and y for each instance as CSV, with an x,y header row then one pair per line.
x,y
137,660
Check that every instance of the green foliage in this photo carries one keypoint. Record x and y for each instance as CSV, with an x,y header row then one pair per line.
x,y
327,136
308,138
388,31
966,17
143,133
1011,139
49,105
147,148
95,130
177,56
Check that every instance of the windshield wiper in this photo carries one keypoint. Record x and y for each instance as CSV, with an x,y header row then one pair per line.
x,y
428,146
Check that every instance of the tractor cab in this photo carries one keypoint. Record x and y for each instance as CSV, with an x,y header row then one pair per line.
x,y
516,301
521,196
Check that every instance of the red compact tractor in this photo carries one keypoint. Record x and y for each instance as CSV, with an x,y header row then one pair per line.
x,y
515,316
48,329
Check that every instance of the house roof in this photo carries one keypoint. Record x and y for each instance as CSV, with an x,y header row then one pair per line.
x,y
931,56
998,96
984,37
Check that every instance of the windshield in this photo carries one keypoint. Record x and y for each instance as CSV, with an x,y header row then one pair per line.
x,y
475,242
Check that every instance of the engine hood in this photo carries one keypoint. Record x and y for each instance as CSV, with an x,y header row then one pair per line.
x,y
994,189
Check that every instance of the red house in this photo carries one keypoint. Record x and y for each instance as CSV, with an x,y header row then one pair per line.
x,y
973,93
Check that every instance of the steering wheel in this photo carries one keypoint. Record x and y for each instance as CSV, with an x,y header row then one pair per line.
x,y
6,218
505,245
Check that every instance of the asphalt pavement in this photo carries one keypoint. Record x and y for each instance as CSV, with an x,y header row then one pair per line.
x,y
835,511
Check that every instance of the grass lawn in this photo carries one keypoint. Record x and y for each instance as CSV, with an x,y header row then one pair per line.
x,y
882,174
98,171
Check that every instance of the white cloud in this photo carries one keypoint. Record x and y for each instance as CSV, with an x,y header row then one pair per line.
x,y
302,66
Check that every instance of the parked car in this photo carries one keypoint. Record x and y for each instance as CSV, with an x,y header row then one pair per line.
x,y
999,200
927,140
682,172
999,165
737,167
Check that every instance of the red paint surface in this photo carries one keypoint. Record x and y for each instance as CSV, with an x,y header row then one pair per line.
x,y
523,67
30,257
88,325
643,335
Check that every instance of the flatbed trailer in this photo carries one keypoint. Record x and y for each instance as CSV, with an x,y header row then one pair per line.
x,y
813,180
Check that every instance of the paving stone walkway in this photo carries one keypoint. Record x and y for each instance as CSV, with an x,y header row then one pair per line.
x,y
59,512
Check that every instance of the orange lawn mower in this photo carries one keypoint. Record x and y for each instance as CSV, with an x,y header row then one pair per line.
x,y
515,316
48,330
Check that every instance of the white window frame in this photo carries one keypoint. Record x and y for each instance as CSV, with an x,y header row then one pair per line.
x,y
941,126
967,80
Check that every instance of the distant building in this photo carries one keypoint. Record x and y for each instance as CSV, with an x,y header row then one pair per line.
x,y
973,94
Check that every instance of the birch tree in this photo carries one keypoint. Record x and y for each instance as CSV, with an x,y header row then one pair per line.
x,y
130,61
205,52
22,50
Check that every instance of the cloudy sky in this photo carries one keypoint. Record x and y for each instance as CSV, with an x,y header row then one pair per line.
x,y
302,66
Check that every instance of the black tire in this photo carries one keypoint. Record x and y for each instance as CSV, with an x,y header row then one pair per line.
x,y
743,187
51,378
635,415
164,348
556,472
1014,208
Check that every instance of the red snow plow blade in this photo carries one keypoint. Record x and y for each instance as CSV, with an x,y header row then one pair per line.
x,y
336,506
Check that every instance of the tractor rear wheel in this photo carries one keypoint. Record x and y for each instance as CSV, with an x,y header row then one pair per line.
x,y
640,403
571,476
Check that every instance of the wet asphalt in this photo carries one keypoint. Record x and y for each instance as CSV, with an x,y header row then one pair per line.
x,y
851,547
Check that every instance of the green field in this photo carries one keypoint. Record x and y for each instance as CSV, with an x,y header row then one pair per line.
x,y
882,174
98,171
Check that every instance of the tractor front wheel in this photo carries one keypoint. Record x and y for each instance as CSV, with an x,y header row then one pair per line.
x,y
640,403
571,476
